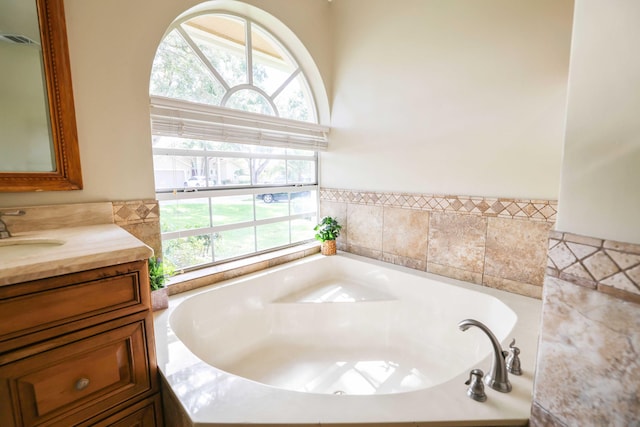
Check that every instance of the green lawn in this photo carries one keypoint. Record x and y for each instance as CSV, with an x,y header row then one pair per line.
x,y
185,215
194,213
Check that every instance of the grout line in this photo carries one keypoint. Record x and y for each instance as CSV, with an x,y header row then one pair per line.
x,y
484,255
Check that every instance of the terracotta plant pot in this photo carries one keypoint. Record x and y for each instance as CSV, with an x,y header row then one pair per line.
x,y
328,247
159,299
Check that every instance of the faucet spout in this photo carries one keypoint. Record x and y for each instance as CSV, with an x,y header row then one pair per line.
x,y
497,377
4,230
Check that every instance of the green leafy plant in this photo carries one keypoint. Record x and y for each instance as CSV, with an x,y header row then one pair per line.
x,y
327,229
158,273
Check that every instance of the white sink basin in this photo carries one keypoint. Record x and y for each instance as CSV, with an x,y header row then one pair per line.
x,y
31,241
26,248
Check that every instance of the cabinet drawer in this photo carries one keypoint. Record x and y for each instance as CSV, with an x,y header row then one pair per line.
x,y
57,387
147,413
46,308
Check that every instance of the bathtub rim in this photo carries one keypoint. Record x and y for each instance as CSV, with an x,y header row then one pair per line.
x,y
434,406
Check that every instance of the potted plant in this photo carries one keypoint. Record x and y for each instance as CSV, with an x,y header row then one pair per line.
x,y
327,231
158,273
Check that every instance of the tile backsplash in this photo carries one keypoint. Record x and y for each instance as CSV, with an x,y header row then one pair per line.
x,y
588,356
142,219
139,217
49,217
496,242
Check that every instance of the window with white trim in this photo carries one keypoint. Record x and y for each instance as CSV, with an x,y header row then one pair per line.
x,y
235,142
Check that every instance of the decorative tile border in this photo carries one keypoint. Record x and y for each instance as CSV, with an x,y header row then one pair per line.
x,y
535,210
142,219
136,212
604,265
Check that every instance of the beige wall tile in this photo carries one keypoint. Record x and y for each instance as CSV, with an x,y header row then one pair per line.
x,y
364,226
457,241
608,266
362,251
600,266
561,257
622,246
58,216
585,240
337,210
455,273
416,264
542,418
148,233
588,362
405,233
512,286
624,292
517,250
136,211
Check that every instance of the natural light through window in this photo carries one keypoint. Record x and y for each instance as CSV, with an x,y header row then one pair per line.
x,y
235,141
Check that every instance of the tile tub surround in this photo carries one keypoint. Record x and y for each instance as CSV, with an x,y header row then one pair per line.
x,y
496,242
588,367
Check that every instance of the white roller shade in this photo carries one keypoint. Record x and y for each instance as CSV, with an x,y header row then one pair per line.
x,y
171,117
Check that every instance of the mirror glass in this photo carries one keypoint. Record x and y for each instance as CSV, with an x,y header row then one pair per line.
x,y
25,132
38,135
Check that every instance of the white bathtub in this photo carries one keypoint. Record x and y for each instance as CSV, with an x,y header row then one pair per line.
x,y
338,340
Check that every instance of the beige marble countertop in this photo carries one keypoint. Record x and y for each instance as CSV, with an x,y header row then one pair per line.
x,y
39,254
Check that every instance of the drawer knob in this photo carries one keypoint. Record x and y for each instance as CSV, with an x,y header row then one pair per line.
x,y
82,383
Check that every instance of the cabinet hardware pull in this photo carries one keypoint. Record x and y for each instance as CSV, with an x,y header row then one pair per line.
x,y
82,383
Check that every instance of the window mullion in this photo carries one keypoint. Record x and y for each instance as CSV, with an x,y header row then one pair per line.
x,y
201,56
236,191
213,247
249,48
286,83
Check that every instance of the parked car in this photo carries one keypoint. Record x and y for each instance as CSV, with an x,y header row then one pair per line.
x,y
280,197
196,181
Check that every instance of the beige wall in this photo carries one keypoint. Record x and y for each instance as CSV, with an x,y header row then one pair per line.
x,y
457,97
112,45
600,194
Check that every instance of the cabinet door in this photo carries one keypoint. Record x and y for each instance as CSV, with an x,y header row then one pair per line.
x,y
73,382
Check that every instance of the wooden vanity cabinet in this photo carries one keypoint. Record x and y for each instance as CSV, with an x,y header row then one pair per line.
x,y
78,350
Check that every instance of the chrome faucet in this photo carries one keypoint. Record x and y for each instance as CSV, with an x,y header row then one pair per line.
x,y
497,378
4,230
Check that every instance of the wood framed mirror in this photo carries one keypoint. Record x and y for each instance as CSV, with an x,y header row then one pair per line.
x,y
66,173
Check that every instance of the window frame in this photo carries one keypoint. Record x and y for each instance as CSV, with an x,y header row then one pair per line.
x,y
176,117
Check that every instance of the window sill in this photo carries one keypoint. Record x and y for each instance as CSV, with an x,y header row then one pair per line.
x,y
210,275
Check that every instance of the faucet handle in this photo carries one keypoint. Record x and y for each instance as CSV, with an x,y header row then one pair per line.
x,y
513,359
476,386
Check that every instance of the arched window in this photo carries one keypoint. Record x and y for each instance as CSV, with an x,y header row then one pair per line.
x,y
235,140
